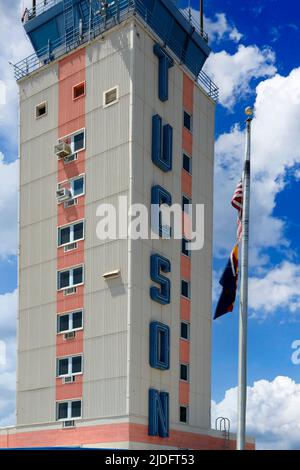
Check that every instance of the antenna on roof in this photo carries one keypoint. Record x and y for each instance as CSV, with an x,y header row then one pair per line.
x,y
201,17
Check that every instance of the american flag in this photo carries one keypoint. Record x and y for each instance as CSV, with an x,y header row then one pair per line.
x,y
237,203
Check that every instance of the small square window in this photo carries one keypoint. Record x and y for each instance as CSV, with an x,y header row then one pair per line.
x,y
187,121
187,163
78,90
41,110
184,372
183,414
184,330
185,289
110,96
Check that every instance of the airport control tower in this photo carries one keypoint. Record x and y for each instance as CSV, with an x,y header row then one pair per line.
x,y
113,335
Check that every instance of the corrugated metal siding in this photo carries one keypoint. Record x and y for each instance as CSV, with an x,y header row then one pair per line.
x,y
36,406
37,263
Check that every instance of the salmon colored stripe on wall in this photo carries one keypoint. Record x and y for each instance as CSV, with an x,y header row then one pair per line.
x,y
71,346
185,267
184,350
185,262
186,183
184,393
110,433
69,390
71,118
187,141
188,94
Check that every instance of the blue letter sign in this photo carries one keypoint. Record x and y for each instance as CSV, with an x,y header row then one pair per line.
x,y
159,346
157,264
158,413
164,63
162,144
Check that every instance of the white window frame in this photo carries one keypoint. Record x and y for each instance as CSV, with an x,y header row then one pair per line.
x,y
43,103
188,372
71,232
191,116
69,373
188,330
189,289
187,414
191,163
69,417
69,185
71,136
116,87
71,269
70,315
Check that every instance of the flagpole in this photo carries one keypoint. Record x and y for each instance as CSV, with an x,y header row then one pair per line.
x,y
243,314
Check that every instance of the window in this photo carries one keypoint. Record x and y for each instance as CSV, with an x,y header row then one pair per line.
x,y
41,110
183,414
185,289
186,204
76,186
68,410
187,163
69,322
184,372
70,277
110,96
70,233
184,249
69,366
187,121
78,90
184,330
76,141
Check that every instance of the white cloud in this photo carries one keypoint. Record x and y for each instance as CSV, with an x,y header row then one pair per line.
x,y
217,28
273,412
8,207
282,287
8,314
14,46
220,28
275,149
233,73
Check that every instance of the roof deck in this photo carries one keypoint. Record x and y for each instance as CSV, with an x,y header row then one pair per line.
x,y
56,27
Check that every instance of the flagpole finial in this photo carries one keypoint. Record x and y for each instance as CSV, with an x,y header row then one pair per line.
x,y
249,112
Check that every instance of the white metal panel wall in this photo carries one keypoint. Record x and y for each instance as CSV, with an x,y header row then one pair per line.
x,y
107,178
36,406
146,103
146,174
37,261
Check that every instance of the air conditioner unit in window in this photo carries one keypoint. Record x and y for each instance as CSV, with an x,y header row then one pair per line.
x,y
68,379
70,158
70,290
69,424
62,150
70,335
63,194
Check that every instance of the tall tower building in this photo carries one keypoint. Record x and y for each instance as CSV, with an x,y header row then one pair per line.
x,y
113,335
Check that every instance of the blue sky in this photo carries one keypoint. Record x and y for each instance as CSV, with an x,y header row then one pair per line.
x,y
254,62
